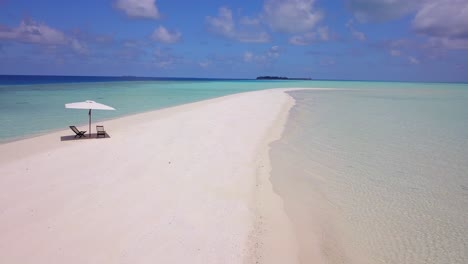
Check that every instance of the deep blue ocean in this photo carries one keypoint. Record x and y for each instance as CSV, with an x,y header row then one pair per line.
x,y
50,79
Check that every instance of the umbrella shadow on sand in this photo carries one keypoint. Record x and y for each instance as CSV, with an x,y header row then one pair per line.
x,y
93,136
89,106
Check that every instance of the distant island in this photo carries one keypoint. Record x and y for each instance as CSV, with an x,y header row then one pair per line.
x,y
279,78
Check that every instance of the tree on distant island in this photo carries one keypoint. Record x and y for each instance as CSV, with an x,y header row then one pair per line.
x,y
271,78
279,78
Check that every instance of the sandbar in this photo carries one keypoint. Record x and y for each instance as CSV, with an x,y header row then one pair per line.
x,y
186,184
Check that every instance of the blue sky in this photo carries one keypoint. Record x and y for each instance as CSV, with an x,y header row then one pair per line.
x,y
407,40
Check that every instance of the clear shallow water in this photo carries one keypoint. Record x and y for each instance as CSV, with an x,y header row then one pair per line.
x,y
30,109
378,175
375,174
31,105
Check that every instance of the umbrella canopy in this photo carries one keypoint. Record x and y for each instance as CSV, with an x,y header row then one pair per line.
x,y
89,105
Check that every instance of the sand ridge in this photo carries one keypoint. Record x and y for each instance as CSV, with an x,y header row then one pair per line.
x,y
171,186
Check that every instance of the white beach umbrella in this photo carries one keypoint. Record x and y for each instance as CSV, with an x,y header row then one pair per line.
x,y
89,105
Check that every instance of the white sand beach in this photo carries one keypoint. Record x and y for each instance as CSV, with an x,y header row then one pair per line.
x,y
186,184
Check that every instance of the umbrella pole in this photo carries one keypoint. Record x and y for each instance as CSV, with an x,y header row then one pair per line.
x,y
89,123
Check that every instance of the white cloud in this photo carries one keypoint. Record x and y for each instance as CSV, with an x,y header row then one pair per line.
x,y
308,38
413,60
395,53
158,53
131,50
291,16
161,34
165,64
204,64
398,47
132,44
269,56
79,47
323,33
445,22
355,33
138,8
358,35
248,56
382,10
164,59
274,52
447,43
249,21
301,40
225,25
260,37
32,32
328,61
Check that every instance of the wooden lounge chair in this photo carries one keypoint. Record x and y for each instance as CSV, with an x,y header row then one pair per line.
x,y
78,132
100,131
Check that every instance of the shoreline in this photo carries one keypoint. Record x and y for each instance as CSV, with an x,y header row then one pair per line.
x,y
201,182
104,120
317,236
345,168
273,230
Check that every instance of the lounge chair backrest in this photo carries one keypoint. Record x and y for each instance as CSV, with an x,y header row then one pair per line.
x,y
78,132
75,129
100,128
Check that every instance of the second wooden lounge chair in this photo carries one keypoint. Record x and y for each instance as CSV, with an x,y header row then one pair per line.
x,y
78,132
100,131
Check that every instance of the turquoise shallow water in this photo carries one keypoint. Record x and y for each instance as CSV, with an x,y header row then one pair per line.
x,y
377,172
27,110
35,107
381,173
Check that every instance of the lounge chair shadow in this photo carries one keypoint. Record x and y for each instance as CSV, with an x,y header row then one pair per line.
x,y
73,138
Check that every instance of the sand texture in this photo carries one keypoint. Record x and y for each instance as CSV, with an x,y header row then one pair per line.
x,y
178,185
